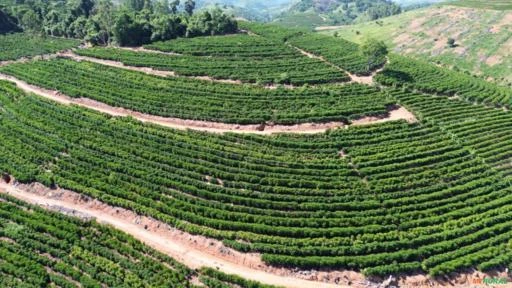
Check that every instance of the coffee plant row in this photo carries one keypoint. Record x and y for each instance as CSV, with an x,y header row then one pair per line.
x,y
337,51
18,45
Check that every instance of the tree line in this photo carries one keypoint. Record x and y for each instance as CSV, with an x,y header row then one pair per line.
x,y
103,22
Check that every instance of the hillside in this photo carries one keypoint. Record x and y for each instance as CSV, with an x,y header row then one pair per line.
x,y
313,13
483,4
234,154
248,9
483,38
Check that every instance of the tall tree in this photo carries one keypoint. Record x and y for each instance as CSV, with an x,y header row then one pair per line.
x,y
102,24
31,22
190,5
174,6
374,51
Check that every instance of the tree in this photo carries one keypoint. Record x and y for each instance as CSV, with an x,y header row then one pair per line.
x,y
129,31
166,27
100,26
451,42
213,22
190,5
174,6
31,22
374,51
7,23
134,5
161,7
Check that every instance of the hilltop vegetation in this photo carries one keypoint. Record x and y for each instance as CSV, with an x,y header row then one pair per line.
x,y
133,23
312,13
483,38
483,4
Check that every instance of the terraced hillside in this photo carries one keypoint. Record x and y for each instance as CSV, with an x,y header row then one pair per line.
x,y
200,100
47,249
246,58
411,198
341,53
483,37
264,193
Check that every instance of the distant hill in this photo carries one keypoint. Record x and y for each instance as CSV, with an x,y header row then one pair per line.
x,y
483,38
484,4
262,10
312,13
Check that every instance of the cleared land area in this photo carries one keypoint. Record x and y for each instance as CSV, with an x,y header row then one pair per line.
x,y
483,38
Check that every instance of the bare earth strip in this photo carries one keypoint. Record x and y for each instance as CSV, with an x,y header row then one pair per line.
x,y
214,127
193,251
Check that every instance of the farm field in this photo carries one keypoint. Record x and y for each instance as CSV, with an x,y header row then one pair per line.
x,y
263,194
15,46
342,53
411,187
218,102
431,79
250,59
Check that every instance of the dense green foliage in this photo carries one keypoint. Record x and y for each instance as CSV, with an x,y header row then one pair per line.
x,y
241,57
405,198
429,78
134,23
201,100
15,46
342,53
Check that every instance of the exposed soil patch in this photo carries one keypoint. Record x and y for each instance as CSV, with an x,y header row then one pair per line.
x,y
27,59
325,28
214,127
397,113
